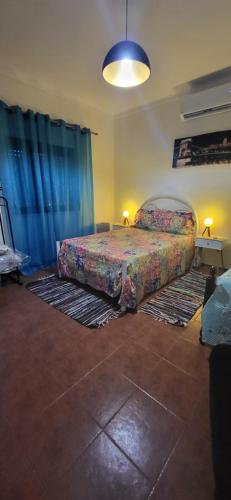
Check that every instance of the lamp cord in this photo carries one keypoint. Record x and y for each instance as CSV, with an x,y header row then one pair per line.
x,y
126,19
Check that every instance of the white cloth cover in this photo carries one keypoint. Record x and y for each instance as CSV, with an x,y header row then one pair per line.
x,y
216,315
11,260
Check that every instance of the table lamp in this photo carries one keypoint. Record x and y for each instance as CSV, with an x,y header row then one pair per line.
x,y
125,216
208,223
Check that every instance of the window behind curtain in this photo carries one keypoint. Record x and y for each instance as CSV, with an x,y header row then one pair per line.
x,y
46,173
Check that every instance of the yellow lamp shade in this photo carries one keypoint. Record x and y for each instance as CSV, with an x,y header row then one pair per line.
x,y
125,216
126,65
208,221
126,73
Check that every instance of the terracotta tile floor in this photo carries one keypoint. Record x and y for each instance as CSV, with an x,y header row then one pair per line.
x,y
119,413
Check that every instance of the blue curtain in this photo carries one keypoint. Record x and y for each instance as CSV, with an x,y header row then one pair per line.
x,y
46,176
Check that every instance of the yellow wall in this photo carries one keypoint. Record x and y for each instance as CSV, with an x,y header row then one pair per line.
x,y
144,142
60,106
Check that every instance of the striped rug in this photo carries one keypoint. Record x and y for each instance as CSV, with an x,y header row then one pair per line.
x,y
179,301
90,309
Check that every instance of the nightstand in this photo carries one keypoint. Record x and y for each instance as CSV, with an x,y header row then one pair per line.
x,y
119,225
213,243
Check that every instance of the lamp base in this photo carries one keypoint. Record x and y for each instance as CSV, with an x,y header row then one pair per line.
x,y
126,221
207,229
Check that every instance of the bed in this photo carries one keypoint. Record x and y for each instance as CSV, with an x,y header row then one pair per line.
x,y
131,262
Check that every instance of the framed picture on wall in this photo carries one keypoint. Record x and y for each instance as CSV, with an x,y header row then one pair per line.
x,y
206,149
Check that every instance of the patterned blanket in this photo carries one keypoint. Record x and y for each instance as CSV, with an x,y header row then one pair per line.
x,y
128,263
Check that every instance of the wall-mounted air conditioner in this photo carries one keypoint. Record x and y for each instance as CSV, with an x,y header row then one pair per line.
x,y
213,100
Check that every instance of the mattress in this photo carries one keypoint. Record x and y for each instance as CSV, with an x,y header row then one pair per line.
x,y
126,263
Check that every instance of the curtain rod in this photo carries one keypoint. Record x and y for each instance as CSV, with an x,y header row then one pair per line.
x,y
72,125
93,133
82,130
12,109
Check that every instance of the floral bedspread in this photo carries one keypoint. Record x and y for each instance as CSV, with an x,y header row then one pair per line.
x,y
128,263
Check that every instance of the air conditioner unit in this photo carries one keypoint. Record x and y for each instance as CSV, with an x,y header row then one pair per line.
x,y
213,100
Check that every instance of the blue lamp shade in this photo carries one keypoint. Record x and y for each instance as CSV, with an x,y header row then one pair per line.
x,y
126,65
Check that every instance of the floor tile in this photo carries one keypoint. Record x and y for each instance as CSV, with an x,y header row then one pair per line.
x,y
156,337
197,315
146,432
124,323
176,390
61,382
102,473
65,368
191,358
31,383
11,451
191,332
134,362
18,486
17,479
200,419
56,439
23,398
189,474
101,343
103,392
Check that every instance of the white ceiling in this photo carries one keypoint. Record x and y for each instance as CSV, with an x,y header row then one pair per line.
x,y
61,44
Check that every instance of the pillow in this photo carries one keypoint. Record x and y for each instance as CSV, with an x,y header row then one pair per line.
x,y
144,218
168,221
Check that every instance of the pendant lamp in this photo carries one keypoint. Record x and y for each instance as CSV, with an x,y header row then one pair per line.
x,y
126,64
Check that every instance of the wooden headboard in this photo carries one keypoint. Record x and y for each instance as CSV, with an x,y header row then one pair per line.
x,y
170,203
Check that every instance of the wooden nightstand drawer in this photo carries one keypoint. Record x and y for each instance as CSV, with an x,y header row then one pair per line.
x,y
214,244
